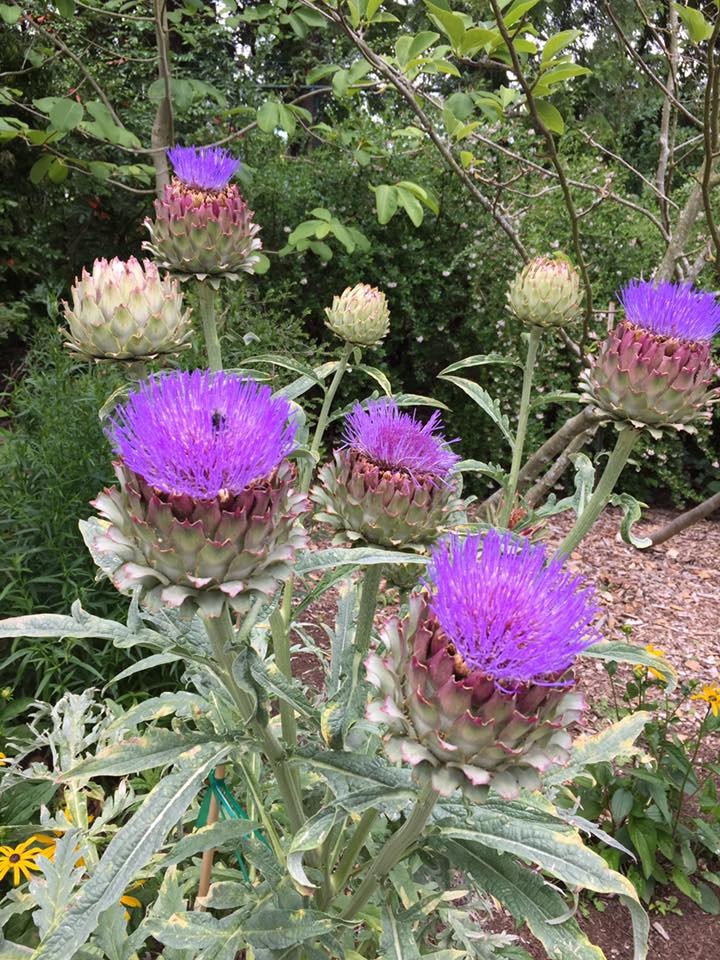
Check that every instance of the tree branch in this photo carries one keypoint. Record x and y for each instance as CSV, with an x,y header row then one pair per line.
x,y
163,132
685,520
555,160
710,138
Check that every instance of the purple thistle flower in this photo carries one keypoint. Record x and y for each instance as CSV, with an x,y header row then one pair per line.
x,y
207,168
674,310
202,433
508,612
398,441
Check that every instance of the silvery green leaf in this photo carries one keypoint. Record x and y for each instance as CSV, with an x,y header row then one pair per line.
x,y
147,663
179,703
612,743
327,582
227,895
79,623
156,748
310,560
13,951
170,899
622,652
355,768
584,483
526,895
486,403
54,889
128,852
111,934
480,360
342,637
397,939
205,936
223,833
269,677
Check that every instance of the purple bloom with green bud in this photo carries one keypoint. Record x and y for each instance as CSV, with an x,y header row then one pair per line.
x,y
675,310
510,613
399,441
202,434
205,168
655,369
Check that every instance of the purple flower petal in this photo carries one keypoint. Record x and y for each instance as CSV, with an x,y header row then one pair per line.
x,y
208,168
674,310
202,433
398,441
510,613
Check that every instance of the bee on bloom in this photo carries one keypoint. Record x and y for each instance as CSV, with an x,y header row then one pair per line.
x,y
475,682
206,512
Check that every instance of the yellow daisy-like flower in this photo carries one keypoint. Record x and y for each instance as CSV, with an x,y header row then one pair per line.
x,y
21,860
128,901
711,696
652,671
3,759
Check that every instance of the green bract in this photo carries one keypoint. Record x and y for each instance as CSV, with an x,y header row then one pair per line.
x,y
545,293
651,381
359,315
203,233
124,310
457,728
364,501
196,554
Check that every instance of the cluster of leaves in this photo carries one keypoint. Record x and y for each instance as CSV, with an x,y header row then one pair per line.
x,y
661,810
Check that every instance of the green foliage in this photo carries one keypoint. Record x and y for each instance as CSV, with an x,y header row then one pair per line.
x,y
661,807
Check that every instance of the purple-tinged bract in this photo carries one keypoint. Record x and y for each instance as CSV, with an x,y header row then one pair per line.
x,y
202,434
205,168
508,611
675,310
399,441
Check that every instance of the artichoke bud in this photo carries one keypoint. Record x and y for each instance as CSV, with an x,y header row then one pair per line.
x,y
203,226
655,368
206,509
124,310
360,315
545,293
489,708
392,484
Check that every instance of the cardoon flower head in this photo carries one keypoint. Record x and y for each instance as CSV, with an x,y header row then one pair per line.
x,y
473,682
399,441
205,513
205,168
392,482
675,310
654,369
507,611
202,433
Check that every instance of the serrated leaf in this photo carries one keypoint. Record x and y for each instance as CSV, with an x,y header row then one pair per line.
x,y
397,939
622,652
157,748
79,624
128,852
310,560
611,744
486,403
269,677
219,834
358,769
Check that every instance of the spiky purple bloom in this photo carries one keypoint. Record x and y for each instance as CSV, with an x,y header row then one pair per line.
x,y
207,168
675,310
509,613
202,433
399,441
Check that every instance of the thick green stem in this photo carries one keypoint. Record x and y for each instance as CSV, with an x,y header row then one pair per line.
x,y
280,628
393,851
529,370
206,302
626,440
325,410
368,603
221,635
357,842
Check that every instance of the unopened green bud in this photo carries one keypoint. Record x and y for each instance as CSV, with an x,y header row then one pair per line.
x,y
545,293
359,315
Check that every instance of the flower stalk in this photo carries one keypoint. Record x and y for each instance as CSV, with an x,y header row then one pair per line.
x,y
206,302
393,851
326,408
523,416
627,438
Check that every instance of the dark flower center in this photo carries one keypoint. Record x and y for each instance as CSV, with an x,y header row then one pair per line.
x,y
14,857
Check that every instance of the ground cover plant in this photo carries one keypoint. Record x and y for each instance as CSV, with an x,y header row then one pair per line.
x,y
437,766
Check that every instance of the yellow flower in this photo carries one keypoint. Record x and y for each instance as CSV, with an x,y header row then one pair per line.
x,y
711,696
654,652
128,901
20,859
3,759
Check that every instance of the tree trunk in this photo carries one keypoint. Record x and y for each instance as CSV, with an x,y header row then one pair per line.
x,y
701,512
